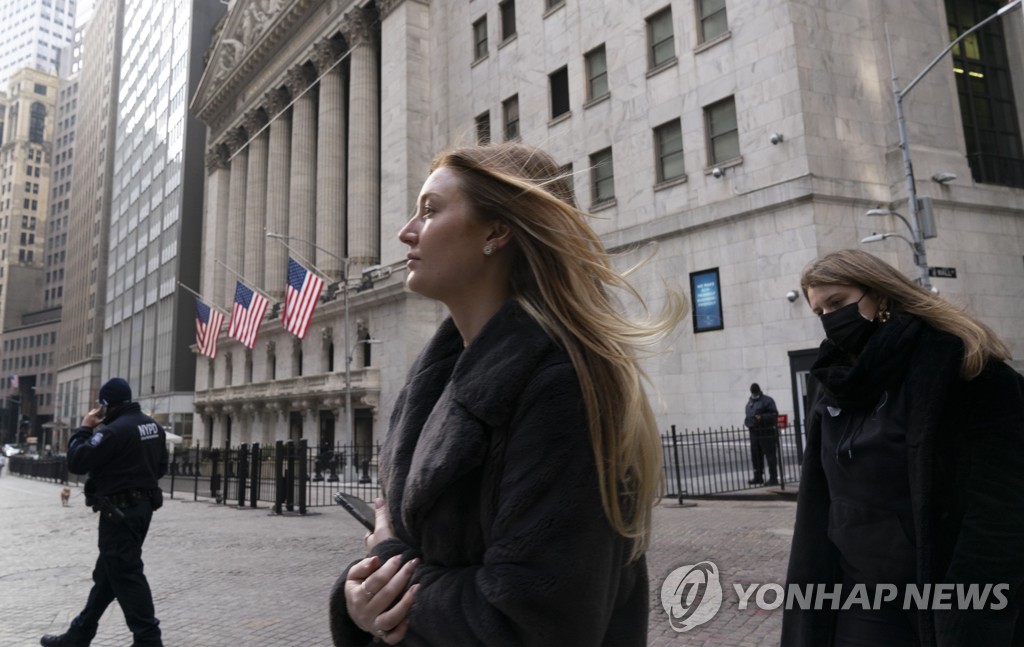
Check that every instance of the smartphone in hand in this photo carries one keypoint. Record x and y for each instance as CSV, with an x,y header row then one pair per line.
x,y
361,510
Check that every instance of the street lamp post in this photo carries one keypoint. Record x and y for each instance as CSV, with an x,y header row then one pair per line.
x,y
917,242
344,296
349,420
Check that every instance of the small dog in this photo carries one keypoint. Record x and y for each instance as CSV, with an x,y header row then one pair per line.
x,y
65,496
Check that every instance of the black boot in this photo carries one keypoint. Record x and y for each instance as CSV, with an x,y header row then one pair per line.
x,y
757,480
62,640
772,481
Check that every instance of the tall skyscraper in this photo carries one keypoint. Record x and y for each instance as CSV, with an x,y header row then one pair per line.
x,y
34,35
80,336
157,204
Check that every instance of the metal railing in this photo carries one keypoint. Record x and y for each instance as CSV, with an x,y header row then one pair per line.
x,y
706,462
288,475
291,476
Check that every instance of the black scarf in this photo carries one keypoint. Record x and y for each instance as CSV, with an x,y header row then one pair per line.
x,y
858,382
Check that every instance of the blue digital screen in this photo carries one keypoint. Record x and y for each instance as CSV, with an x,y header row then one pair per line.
x,y
706,295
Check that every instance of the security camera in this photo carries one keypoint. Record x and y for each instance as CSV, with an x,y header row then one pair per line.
x,y
717,172
792,296
776,139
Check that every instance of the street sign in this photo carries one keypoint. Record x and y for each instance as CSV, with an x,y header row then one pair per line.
x,y
942,272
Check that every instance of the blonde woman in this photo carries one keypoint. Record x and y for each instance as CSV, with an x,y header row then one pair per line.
x,y
523,459
914,469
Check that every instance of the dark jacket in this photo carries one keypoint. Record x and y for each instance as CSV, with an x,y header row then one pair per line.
x,y
965,461
490,478
765,407
127,451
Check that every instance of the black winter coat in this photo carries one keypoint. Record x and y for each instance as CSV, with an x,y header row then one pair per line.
x,y
489,478
966,468
129,450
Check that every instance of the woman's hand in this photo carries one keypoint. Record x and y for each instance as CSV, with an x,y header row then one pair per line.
x,y
382,523
370,591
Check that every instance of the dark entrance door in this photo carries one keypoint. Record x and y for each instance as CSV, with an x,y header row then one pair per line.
x,y
804,387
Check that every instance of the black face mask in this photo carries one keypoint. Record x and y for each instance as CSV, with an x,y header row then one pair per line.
x,y
847,329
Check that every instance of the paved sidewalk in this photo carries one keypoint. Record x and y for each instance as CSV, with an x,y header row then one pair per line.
x,y
228,577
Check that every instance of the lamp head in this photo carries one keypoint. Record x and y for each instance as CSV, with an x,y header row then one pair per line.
x,y
873,238
944,177
878,212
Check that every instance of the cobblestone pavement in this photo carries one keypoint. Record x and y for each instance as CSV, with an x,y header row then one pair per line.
x,y
228,577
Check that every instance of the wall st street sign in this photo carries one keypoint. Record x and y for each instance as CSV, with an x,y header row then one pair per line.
x,y
942,272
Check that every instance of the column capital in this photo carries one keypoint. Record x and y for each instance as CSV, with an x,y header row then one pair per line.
x,y
235,140
216,157
385,7
275,101
326,53
254,120
300,77
355,26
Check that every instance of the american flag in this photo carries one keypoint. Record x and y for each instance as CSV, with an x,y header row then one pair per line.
x,y
300,297
246,314
208,322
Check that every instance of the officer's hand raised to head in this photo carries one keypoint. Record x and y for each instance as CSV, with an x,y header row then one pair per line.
x,y
93,418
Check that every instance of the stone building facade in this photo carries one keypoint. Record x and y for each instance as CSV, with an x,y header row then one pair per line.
x,y
735,141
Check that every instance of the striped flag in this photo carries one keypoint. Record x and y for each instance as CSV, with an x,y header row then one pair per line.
x,y
246,314
208,322
300,297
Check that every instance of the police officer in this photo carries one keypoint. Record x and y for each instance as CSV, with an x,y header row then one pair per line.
x,y
762,420
125,453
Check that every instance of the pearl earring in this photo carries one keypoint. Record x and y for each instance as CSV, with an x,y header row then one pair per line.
x,y
488,249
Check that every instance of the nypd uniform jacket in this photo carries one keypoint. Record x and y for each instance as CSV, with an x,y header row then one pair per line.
x,y
126,452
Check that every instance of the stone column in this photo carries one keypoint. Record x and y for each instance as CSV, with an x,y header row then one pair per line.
x,y
278,180
330,165
256,198
363,145
215,225
405,140
235,254
302,196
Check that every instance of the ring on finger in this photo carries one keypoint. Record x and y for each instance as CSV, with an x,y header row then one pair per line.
x,y
380,633
369,594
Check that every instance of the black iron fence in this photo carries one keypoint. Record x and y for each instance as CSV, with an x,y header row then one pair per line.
x,y
291,476
716,461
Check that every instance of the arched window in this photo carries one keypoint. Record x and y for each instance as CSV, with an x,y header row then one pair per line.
x,y
37,123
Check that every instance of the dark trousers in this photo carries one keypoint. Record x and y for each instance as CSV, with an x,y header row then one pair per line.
x,y
118,575
763,448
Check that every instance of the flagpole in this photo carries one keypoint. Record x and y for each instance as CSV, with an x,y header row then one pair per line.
x,y
248,283
202,298
305,260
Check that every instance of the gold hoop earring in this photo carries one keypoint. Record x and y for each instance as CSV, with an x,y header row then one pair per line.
x,y
488,249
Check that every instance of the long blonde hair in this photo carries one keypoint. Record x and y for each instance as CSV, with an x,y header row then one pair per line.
x,y
894,291
561,275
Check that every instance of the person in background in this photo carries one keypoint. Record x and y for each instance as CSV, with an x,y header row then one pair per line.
x,y
523,459
913,472
124,452
762,420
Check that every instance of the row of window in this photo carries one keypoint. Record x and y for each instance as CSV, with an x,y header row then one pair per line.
x,y
722,136
711,21
32,341
27,361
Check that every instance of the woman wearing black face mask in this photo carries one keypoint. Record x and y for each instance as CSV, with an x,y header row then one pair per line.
x,y
914,468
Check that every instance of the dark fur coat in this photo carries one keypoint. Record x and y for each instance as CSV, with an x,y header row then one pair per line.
x,y
490,478
966,468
